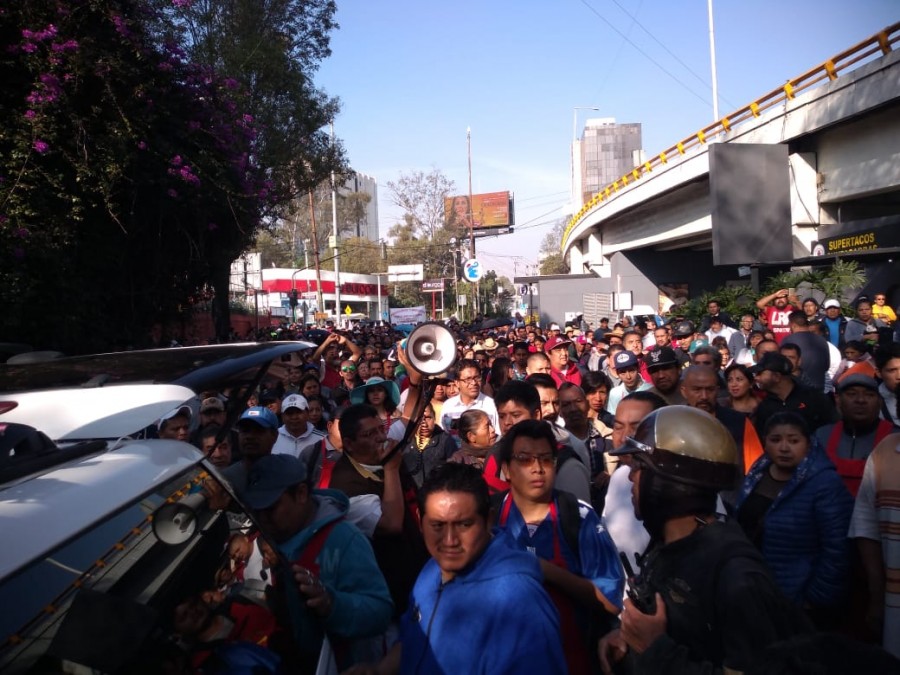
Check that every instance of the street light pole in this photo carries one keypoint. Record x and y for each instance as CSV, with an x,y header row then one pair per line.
x,y
576,196
712,58
336,251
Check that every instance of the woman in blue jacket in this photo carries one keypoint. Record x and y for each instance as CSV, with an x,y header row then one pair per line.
x,y
796,509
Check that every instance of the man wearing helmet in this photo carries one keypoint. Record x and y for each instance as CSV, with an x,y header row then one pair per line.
x,y
704,599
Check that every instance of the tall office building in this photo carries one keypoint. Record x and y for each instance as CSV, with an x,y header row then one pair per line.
x,y
367,224
605,152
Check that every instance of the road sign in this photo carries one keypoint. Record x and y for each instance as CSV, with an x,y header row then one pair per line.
x,y
347,310
398,273
433,285
473,270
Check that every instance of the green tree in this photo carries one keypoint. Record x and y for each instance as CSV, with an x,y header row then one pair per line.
x,y
131,176
552,260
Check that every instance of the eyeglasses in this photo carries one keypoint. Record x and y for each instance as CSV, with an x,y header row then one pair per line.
x,y
527,461
348,369
467,380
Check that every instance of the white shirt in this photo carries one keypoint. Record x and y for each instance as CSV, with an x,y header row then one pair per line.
x,y
292,445
453,408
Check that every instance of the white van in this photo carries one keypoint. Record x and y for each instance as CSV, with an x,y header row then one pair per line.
x,y
85,583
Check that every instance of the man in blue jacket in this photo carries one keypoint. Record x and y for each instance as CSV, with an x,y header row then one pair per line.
x,y
478,606
334,586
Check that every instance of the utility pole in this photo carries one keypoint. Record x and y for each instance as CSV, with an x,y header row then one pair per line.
x,y
471,210
320,302
337,252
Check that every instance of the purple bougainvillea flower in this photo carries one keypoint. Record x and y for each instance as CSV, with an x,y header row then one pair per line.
x,y
40,147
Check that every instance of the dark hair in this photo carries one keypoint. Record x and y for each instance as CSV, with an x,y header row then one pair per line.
x,y
594,380
520,345
542,380
375,359
468,422
534,429
462,364
565,386
520,392
858,345
791,345
655,400
210,430
352,417
499,374
798,318
718,341
306,378
711,351
885,354
744,370
457,477
788,418
388,404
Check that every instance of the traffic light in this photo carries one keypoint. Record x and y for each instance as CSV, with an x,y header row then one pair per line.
x,y
293,298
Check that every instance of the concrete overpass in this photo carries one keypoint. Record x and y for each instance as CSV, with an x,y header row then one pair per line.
x,y
814,161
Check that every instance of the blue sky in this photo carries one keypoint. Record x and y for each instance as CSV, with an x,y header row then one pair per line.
x,y
412,75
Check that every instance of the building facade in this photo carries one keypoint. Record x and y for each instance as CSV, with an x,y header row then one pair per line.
x,y
604,153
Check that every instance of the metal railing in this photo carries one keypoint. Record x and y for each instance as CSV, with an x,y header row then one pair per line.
x,y
882,41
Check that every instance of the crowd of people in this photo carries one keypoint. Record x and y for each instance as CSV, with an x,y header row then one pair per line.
x,y
621,498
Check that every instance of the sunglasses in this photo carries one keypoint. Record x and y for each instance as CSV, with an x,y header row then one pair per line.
x,y
348,369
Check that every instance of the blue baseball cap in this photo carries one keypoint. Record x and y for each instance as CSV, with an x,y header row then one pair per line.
x,y
259,415
269,477
625,359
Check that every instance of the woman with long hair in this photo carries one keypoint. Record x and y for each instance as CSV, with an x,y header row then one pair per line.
x,y
383,395
796,509
739,381
500,373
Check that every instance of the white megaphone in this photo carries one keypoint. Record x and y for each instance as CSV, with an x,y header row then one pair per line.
x,y
176,522
430,348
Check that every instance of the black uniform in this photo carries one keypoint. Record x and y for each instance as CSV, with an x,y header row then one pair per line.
x,y
722,605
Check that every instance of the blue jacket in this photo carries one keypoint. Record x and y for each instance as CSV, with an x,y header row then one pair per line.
x,y
805,529
361,603
494,618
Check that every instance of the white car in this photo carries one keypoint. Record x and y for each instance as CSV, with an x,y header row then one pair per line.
x,y
84,581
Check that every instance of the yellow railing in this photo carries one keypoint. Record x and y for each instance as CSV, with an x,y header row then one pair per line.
x,y
882,41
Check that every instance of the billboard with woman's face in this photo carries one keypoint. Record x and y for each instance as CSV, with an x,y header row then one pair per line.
x,y
491,209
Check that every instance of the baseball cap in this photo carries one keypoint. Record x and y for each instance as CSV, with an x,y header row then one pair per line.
x,y
554,326
212,403
269,477
181,410
856,380
555,342
295,401
661,358
775,362
870,329
259,415
625,359
831,302
696,344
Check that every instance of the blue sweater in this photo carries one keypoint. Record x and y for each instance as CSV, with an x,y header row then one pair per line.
x,y
493,618
805,529
361,603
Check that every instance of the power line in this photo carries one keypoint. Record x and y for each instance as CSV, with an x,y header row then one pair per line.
x,y
643,53
669,51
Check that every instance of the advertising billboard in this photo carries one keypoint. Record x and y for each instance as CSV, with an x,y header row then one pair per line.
x,y
487,210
